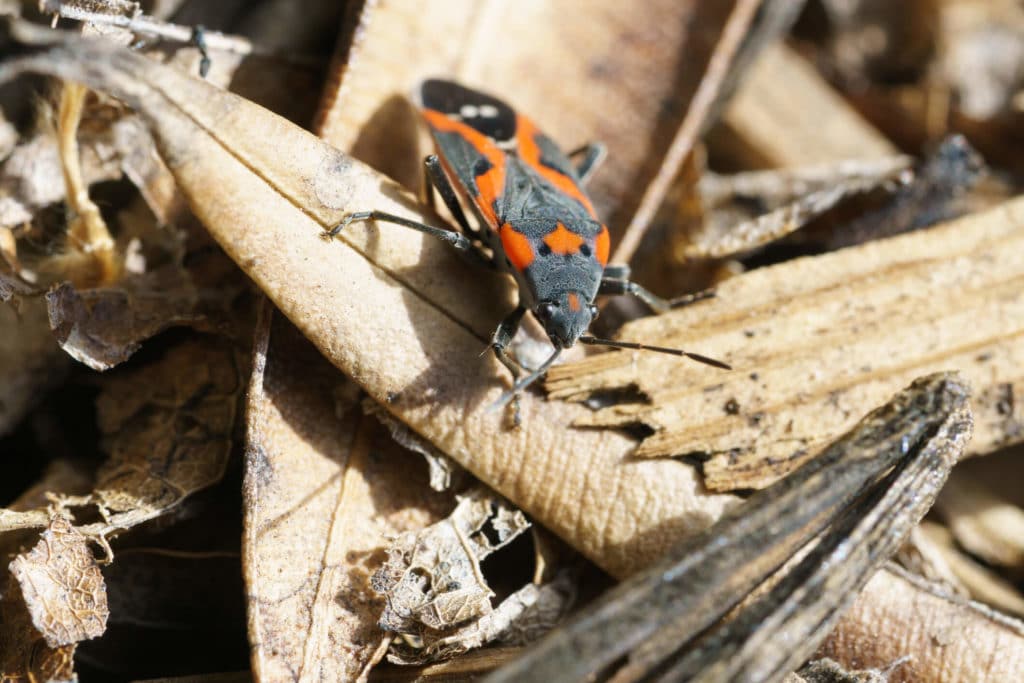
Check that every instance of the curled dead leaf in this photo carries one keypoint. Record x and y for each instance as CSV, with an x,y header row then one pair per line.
x,y
62,586
433,584
167,428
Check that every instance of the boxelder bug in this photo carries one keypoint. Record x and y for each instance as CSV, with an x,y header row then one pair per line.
x,y
533,216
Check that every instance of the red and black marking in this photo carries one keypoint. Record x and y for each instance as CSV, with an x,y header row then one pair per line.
x,y
523,188
534,218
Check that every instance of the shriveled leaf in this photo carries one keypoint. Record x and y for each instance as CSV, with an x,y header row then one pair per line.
x,y
826,670
398,312
325,488
811,191
24,654
433,583
167,428
520,618
813,340
949,638
62,586
104,327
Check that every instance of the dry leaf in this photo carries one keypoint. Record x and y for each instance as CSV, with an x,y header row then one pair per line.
x,y
325,488
62,586
942,638
433,584
813,191
103,327
167,428
417,348
23,649
813,340
826,670
24,653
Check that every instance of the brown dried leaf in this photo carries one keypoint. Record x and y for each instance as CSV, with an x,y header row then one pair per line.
x,y
814,190
947,638
826,670
814,340
324,490
62,586
382,283
24,654
433,584
520,618
103,327
167,428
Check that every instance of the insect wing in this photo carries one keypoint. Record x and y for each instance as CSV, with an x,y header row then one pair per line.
x,y
466,126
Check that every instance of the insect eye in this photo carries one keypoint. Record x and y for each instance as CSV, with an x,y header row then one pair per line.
x,y
594,312
545,309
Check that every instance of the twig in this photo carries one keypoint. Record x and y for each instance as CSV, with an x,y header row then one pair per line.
x,y
142,23
736,29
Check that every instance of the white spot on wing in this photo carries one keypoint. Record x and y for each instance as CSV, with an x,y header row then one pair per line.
x,y
469,111
488,111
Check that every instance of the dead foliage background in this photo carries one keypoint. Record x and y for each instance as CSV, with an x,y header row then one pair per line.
x,y
233,450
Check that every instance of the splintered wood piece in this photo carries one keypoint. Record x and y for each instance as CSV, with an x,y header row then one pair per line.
x,y
804,123
590,68
843,498
812,341
399,312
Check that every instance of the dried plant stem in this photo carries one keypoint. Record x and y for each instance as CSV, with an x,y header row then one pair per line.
x,y
703,100
87,232
137,22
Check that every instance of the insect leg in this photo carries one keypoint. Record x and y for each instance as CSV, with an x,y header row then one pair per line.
x,y
436,178
616,281
199,40
499,343
456,239
593,154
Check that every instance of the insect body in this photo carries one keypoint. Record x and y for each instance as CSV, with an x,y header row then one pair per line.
x,y
533,216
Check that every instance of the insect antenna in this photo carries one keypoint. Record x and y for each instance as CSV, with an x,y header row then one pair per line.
x,y
526,381
595,341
